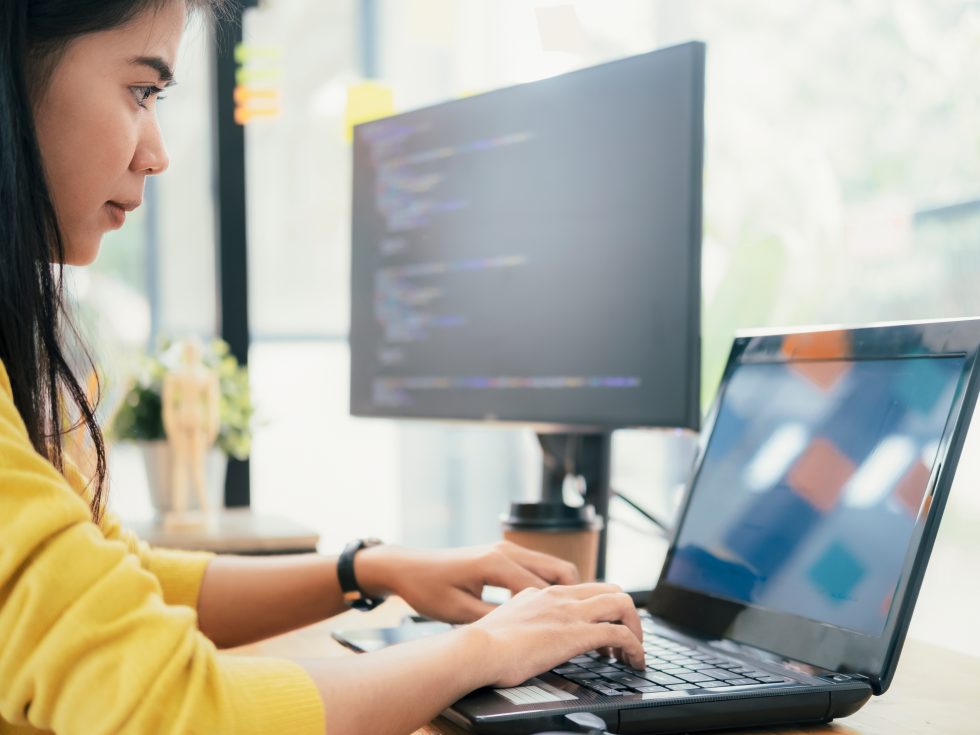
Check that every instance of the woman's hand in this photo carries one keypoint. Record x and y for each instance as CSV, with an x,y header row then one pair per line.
x,y
539,629
531,633
447,584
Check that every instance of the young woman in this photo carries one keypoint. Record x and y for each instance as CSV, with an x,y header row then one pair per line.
x,y
100,633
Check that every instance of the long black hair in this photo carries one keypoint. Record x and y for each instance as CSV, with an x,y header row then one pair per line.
x,y
33,36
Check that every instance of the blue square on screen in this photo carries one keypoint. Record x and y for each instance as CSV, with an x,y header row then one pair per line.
x,y
836,573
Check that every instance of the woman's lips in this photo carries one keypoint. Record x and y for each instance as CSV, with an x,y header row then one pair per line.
x,y
117,212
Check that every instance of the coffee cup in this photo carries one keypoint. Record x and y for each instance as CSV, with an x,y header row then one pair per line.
x,y
557,529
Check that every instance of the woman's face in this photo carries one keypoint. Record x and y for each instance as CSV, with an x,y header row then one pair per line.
x,y
97,125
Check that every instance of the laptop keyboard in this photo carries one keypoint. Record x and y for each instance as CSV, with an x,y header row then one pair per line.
x,y
671,666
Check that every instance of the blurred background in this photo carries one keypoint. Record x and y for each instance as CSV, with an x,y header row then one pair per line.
x,y
842,185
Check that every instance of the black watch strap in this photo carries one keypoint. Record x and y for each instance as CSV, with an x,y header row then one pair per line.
x,y
353,595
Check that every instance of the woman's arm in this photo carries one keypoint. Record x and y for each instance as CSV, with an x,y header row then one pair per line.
x,y
245,599
397,690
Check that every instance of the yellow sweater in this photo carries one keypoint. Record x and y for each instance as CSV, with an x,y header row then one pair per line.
x,y
98,632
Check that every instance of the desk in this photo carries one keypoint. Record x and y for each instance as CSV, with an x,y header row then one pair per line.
x,y
231,531
934,691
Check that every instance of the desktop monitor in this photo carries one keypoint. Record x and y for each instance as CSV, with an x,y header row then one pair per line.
x,y
532,254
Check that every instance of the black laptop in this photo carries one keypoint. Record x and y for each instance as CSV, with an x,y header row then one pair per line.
x,y
790,581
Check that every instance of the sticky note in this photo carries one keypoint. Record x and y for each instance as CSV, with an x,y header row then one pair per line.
x,y
244,53
367,100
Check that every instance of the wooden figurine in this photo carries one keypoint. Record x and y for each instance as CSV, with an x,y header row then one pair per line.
x,y
191,416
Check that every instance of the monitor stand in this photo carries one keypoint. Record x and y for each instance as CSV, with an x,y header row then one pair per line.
x,y
580,455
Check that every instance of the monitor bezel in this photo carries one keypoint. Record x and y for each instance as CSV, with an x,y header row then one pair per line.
x,y
691,417
796,638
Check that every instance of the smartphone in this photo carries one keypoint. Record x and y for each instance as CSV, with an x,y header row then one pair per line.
x,y
372,639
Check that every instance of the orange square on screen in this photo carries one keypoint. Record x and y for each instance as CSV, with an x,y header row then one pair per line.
x,y
820,474
817,345
911,488
822,374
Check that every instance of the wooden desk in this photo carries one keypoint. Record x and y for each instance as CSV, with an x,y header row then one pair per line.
x,y
934,692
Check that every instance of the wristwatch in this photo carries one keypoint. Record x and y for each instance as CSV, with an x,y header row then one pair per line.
x,y
353,595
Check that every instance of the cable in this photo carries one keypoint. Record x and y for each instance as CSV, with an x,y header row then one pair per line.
x,y
664,528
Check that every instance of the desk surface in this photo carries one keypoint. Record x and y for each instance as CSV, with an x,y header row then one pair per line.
x,y
231,531
934,691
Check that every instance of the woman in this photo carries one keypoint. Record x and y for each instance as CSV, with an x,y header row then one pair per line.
x,y
98,632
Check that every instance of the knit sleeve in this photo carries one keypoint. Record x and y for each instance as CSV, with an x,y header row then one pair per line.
x,y
89,644
179,573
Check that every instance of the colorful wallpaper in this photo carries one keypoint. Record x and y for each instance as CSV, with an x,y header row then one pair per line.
x,y
814,476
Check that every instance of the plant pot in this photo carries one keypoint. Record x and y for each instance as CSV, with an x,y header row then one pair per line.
x,y
159,477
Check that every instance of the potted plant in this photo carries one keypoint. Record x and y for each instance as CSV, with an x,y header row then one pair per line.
x,y
139,418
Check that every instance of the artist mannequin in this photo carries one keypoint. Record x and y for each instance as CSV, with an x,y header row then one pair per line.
x,y
191,416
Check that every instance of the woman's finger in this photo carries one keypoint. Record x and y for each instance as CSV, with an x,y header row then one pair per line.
x,y
505,572
613,607
622,638
587,589
550,568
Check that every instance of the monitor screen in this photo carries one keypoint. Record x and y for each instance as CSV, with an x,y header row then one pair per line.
x,y
532,254
811,484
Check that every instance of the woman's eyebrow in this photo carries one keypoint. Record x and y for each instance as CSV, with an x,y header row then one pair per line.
x,y
158,65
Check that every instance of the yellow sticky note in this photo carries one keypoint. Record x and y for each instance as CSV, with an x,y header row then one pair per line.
x,y
367,100
257,76
245,53
560,28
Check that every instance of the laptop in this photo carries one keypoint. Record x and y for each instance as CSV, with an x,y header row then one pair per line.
x,y
791,576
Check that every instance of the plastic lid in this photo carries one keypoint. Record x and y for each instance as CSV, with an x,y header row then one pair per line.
x,y
551,517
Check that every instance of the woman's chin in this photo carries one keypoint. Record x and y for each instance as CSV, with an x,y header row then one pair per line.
x,y
82,253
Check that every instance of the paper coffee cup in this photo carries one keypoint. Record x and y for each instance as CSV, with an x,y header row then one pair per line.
x,y
557,529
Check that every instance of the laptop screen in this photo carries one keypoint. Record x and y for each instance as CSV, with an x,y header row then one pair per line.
x,y
811,483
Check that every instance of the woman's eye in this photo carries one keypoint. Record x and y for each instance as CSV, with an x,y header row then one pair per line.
x,y
144,93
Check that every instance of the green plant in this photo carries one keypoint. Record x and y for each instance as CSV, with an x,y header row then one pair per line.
x,y
139,416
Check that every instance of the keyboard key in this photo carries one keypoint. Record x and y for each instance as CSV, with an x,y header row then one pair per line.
x,y
767,679
590,665
694,677
609,692
721,674
581,676
630,681
741,682
562,670
682,687
650,689
580,660
659,677
614,684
